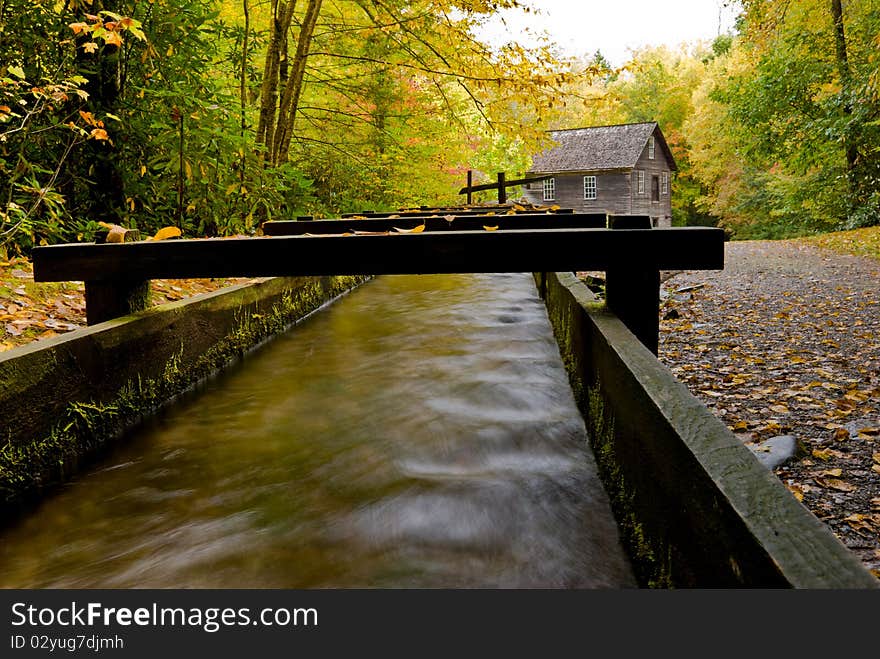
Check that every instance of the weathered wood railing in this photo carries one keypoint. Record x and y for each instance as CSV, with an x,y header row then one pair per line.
x,y
501,184
116,275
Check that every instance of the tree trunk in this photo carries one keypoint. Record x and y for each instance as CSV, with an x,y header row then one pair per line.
x,y
243,86
293,89
850,144
282,15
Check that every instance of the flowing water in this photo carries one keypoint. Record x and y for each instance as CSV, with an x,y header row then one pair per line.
x,y
420,432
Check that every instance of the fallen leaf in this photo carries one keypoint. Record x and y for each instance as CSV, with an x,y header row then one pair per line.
x,y
869,431
417,229
12,329
841,434
167,232
836,484
836,473
490,228
860,522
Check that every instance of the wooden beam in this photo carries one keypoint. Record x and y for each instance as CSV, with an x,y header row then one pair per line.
x,y
457,212
471,222
111,299
686,248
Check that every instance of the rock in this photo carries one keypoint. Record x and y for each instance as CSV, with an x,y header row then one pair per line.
x,y
775,451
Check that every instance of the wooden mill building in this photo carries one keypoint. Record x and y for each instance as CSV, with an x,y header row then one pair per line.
x,y
618,170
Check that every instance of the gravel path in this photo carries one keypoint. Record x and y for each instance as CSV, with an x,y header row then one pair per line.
x,y
786,341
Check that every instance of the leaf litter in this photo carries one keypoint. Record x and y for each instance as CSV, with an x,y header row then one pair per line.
x,y
786,340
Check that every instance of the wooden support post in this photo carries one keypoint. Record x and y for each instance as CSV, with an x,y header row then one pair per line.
x,y
632,291
110,299
502,188
470,182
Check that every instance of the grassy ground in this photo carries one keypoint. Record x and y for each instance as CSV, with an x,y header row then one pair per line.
x,y
860,242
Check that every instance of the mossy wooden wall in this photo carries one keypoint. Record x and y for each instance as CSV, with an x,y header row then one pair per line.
x,y
695,507
64,399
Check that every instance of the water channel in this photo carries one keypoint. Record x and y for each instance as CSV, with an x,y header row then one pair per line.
x,y
420,432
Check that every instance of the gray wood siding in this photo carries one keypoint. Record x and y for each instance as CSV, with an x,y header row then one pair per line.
x,y
612,193
643,204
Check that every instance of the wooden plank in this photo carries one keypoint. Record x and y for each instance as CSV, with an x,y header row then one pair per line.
x,y
435,223
685,248
457,212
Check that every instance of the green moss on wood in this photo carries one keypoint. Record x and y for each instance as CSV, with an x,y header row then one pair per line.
x,y
642,548
84,428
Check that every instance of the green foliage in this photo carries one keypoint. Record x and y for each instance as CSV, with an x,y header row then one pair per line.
x,y
794,122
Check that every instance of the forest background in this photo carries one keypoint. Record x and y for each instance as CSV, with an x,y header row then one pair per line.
x,y
218,116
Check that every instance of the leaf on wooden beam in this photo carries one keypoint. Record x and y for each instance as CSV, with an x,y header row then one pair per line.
x,y
167,232
417,229
370,233
490,228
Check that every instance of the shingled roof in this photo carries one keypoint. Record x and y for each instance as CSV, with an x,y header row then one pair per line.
x,y
598,148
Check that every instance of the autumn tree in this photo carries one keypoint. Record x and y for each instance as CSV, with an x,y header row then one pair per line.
x,y
807,112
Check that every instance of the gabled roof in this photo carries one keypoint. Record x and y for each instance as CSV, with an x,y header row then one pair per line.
x,y
599,148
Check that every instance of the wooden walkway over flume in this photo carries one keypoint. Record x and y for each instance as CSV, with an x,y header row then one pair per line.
x,y
116,275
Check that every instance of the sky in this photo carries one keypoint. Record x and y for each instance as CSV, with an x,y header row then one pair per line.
x,y
580,27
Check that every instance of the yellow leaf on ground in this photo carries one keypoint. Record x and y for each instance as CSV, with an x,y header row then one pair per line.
x,y
869,431
167,232
822,454
841,434
836,484
490,228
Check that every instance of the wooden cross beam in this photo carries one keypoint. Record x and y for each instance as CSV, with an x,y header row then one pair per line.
x,y
469,222
457,212
501,185
118,271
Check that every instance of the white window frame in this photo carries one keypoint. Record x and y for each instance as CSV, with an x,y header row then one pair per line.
x,y
640,178
590,187
651,148
664,183
549,188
